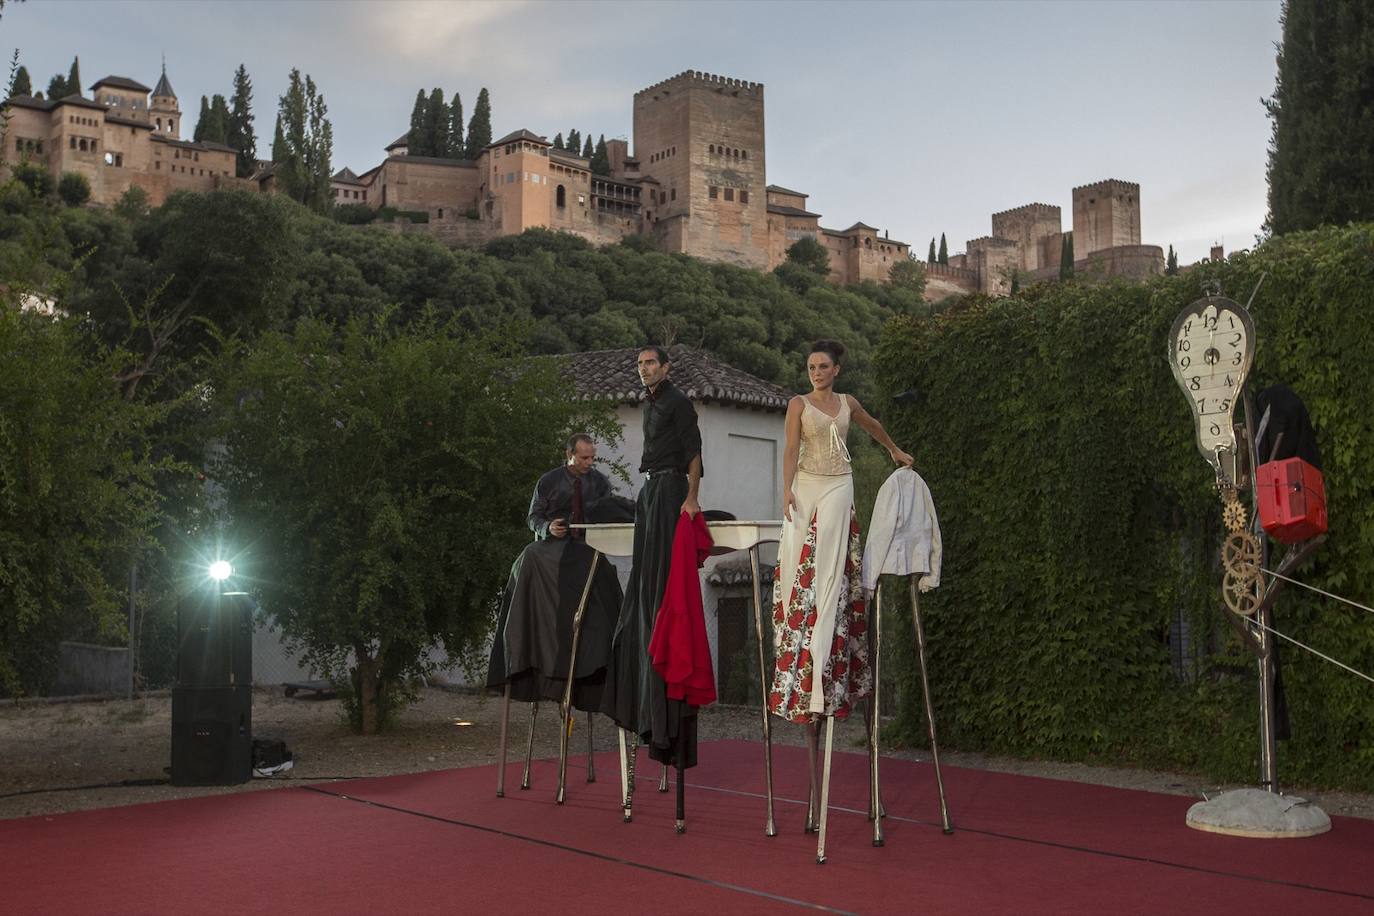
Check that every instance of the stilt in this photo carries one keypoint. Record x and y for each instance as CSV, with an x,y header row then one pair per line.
x,y
930,708
624,772
813,792
591,752
567,710
875,802
681,824
825,788
529,748
663,779
769,828
630,776
505,731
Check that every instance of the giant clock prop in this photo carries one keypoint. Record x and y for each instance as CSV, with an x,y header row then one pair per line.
x,y
1211,348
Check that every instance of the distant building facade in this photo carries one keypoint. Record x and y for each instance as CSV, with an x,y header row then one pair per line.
x,y
126,135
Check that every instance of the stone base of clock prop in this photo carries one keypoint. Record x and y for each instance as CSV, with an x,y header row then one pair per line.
x,y
1211,349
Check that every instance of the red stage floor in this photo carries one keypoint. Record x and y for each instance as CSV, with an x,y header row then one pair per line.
x,y
442,842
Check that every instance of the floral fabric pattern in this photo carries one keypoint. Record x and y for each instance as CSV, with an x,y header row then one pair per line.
x,y
845,675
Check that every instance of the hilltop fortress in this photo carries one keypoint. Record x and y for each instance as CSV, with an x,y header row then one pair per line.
x,y
695,182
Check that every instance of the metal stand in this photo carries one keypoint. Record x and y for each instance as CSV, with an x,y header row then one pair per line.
x,y
930,708
769,828
567,689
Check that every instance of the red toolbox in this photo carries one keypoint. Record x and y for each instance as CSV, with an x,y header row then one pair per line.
x,y
1292,500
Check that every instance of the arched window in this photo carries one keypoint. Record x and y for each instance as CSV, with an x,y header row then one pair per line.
x,y
159,124
560,197
744,154
171,125
81,145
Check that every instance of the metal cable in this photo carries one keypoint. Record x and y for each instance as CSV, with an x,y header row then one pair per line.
x,y
1270,572
1320,655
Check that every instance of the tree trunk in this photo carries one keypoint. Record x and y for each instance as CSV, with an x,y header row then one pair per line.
x,y
367,693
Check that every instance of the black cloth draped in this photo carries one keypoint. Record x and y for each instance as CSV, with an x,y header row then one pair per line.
x,y
535,626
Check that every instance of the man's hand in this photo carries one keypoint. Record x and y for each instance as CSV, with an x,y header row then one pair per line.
x,y
689,505
558,528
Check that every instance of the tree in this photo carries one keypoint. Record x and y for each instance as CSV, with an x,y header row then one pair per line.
x,y
908,275
74,77
307,143
601,162
73,189
930,258
574,145
1171,262
1321,151
943,256
479,128
415,139
434,125
361,520
78,492
239,129
203,120
57,87
213,124
22,85
1066,257
588,150
558,140
279,151
35,177
455,148
132,204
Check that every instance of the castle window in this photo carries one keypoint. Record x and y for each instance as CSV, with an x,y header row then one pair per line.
x,y
560,197
744,154
109,158
582,200
673,194
729,193
171,125
713,149
159,124
744,197
441,213
82,145
73,142
157,165
713,192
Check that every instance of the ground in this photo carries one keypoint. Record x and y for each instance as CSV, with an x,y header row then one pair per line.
x,y
70,746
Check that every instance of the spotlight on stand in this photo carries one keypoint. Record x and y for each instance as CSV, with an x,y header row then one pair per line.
x,y
212,702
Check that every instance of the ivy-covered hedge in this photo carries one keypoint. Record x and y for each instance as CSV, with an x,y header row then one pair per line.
x,y
1080,611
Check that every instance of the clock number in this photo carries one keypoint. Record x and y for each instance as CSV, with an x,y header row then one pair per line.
x,y
1187,326
1194,382
1185,362
1226,405
1236,360
1230,382
1237,340
1201,406
1232,319
1209,323
1215,430
1184,345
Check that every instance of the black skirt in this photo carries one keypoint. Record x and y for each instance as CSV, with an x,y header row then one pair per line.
x,y
535,626
635,696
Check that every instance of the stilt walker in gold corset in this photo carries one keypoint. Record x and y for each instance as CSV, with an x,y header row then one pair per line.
x,y
822,663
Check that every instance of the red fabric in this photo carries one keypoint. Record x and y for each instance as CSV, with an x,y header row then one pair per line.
x,y
679,649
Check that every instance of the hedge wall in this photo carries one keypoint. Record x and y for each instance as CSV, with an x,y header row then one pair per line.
x,y
1080,611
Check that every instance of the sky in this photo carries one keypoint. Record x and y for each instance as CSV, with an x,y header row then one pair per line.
x,y
919,118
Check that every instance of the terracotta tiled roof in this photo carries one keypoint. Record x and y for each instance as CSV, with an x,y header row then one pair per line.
x,y
402,140
790,211
112,118
520,134
120,82
612,375
345,176
779,189
194,144
164,86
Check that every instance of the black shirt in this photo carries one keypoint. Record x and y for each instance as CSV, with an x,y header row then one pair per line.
x,y
553,498
671,436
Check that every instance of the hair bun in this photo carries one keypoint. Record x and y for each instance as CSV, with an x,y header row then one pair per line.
x,y
832,348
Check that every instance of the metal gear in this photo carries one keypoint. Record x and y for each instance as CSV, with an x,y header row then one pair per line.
x,y
1234,515
1243,595
1240,555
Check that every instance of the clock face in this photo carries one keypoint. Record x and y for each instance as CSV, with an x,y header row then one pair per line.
x,y
1211,348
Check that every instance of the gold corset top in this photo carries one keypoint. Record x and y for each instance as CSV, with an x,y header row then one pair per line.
x,y
823,449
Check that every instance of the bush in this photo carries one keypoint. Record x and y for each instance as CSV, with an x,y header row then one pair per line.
x,y
354,214
35,177
74,189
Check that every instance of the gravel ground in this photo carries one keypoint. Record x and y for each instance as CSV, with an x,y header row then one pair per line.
x,y
57,757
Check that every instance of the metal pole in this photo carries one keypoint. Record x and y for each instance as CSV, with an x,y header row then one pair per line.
x,y
624,773
875,805
505,725
825,788
930,707
529,749
813,784
770,828
591,751
1269,776
663,779
568,688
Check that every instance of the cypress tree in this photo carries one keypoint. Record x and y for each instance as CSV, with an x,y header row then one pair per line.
x,y
588,150
455,150
239,133
930,258
57,87
434,125
943,256
74,77
601,162
22,85
574,143
218,131
1321,152
278,142
1066,257
558,140
1171,263
203,121
479,128
415,139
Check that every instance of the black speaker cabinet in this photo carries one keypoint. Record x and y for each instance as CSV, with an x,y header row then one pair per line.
x,y
212,735
215,639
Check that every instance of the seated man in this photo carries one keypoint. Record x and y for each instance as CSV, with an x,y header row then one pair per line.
x,y
535,627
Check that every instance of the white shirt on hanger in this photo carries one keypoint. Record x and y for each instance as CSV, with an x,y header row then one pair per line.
x,y
904,533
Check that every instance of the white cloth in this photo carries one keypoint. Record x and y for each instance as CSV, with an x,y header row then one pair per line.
x,y
904,533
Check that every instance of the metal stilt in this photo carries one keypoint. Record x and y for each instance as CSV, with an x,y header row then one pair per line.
x,y
825,788
930,707
770,828
591,752
529,748
875,803
505,731
567,710
813,791
663,779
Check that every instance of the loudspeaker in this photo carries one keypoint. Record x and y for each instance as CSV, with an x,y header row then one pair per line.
x,y
215,639
212,735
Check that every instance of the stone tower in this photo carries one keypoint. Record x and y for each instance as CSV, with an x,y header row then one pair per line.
x,y
701,137
1027,226
163,113
1105,215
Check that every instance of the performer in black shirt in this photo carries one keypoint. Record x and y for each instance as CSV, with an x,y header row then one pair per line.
x,y
635,695
534,629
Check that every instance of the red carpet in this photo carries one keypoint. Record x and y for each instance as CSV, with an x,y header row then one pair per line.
x,y
442,842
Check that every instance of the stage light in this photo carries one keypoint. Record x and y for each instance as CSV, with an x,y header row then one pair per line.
x,y
221,570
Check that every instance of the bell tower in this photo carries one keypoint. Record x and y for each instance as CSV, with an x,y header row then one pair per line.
x,y
163,112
